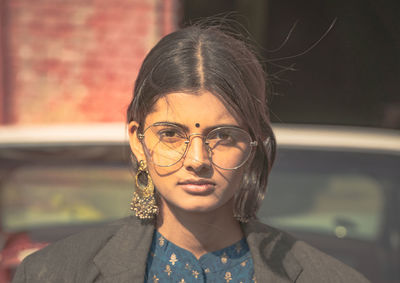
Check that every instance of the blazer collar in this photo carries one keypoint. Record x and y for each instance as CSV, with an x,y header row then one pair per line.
x,y
271,252
123,258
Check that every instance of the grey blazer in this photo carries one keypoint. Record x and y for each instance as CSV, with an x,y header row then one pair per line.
x,y
117,253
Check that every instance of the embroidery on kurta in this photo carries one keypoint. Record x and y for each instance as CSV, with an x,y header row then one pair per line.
x,y
168,270
224,258
228,276
173,259
161,241
232,264
195,273
238,247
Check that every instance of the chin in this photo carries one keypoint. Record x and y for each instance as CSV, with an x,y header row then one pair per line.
x,y
204,206
197,208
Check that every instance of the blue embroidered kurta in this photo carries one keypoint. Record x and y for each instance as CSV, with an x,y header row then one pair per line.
x,y
170,263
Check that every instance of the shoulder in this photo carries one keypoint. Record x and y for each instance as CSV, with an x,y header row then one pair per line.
x,y
317,265
288,257
65,258
85,243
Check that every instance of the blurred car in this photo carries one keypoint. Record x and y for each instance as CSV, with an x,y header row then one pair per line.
x,y
57,180
334,187
338,188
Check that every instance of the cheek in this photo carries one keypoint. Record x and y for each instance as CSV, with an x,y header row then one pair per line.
x,y
163,180
230,180
154,176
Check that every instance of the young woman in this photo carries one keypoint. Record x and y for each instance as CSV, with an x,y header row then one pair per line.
x,y
203,147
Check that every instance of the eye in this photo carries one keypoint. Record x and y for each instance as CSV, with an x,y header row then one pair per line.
x,y
170,134
222,136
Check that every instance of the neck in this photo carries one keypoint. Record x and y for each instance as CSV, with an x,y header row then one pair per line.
x,y
199,232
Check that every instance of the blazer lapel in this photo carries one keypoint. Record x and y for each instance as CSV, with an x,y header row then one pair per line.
x,y
123,258
271,252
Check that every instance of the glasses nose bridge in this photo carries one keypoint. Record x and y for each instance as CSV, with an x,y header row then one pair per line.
x,y
190,138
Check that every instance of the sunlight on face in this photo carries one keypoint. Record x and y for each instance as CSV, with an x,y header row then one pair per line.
x,y
194,183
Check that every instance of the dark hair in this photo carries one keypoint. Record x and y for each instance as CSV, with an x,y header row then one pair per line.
x,y
196,59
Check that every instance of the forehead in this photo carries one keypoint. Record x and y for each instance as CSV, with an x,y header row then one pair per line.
x,y
189,109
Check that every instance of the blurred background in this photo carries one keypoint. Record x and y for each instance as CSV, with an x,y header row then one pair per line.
x,y
76,61
334,72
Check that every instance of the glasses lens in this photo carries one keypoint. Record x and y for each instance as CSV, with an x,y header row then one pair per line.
x,y
165,144
230,147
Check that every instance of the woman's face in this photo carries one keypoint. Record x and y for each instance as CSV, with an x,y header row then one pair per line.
x,y
194,183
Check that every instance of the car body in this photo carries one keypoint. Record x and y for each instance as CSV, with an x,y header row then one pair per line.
x,y
334,187
338,189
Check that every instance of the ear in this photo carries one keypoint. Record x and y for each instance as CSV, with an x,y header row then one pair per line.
x,y
134,142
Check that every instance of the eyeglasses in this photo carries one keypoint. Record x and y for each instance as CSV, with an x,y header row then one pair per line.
x,y
228,147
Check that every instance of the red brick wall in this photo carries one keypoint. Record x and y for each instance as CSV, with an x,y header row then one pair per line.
x,y
76,61
2,77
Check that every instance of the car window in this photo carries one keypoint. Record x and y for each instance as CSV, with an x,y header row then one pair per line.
x,y
341,205
37,196
330,193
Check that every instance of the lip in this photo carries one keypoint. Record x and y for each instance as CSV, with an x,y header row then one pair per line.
x,y
197,186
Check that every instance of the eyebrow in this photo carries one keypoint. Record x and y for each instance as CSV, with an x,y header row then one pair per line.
x,y
172,123
206,130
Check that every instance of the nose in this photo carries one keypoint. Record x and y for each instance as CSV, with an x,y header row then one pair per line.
x,y
197,156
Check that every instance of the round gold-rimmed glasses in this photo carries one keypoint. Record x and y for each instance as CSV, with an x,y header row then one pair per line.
x,y
228,147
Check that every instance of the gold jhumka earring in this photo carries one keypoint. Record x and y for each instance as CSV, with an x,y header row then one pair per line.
x,y
143,203
241,219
